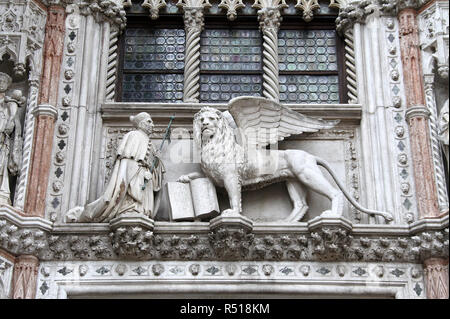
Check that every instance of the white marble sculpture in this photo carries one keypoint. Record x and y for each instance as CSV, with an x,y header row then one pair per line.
x,y
136,180
249,165
10,135
444,130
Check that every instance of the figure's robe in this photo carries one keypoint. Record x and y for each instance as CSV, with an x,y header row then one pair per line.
x,y
132,186
4,149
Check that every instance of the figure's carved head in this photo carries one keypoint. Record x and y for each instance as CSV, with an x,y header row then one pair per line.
x,y
5,82
143,121
208,124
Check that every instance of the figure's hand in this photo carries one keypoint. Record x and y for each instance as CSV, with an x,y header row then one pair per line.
x,y
158,153
9,127
184,179
147,176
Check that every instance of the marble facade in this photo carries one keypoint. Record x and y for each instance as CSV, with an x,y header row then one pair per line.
x,y
63,55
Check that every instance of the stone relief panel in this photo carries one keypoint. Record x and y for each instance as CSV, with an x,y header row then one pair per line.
x,y
387,280
6,272
268,204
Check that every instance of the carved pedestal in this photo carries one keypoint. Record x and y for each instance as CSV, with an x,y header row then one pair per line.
x,y
132,235
231,237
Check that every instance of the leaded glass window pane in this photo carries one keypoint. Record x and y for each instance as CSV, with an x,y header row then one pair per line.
x,y
152,87
228,50
309,64
230,64
222,88
307,50
309,89
154,49
153,65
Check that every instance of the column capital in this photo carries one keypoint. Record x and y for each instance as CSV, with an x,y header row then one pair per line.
x,y
269,19
193,18
45,109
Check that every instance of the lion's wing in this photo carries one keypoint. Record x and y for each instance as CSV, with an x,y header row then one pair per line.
x,y
266,122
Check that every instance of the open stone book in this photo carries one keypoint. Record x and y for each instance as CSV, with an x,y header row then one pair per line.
x,y
194,200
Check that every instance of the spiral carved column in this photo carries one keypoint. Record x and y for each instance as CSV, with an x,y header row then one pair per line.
x,y
435,144
27,144
193,24
269,23
350,67
112,64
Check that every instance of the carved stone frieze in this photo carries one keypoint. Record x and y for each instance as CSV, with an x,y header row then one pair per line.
x,y
354,12
399,280
231,244
317,240
331,243
131,235
104,10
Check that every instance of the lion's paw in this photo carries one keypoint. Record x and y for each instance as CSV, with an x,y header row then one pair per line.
x,y
73,214
230,213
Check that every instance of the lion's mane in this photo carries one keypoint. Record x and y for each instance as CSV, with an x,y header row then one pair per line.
x,y
221,148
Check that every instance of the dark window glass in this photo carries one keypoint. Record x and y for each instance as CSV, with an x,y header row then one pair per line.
x,y
153,64
310,66
230,64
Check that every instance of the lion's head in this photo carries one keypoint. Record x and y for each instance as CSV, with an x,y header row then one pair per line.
x,y
214,136
209,125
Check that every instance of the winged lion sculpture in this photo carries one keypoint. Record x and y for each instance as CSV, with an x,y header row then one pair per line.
x,y
240,162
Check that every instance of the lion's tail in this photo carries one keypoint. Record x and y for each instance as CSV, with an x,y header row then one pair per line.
x,y
327,166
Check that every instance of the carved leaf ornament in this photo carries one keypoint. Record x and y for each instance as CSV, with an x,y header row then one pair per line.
x,y
231,6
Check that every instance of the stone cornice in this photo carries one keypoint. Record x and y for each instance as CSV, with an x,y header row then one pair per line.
x,y
320,239
393,7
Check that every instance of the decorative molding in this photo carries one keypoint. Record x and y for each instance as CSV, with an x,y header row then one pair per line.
x,y
231,6
308,6
45,110
72,279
